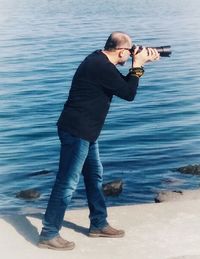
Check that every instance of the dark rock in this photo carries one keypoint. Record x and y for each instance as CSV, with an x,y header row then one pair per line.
x,y
113,188
184,195
190,169
29,194
168,196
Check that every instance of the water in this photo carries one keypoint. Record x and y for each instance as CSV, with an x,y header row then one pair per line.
x,y
41,44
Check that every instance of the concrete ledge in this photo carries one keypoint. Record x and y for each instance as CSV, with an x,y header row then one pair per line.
x,y
153,231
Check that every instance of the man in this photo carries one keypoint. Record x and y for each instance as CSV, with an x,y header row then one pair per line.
x,y
93,86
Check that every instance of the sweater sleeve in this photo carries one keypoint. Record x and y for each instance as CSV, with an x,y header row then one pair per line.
x,y
111,79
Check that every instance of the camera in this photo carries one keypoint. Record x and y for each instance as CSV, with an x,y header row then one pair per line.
x,y
164,51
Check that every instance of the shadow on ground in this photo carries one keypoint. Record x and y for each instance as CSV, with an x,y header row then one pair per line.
x,y
30,233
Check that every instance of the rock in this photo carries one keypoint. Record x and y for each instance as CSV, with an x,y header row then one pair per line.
x,y
168,196
113,188
29,194
190,169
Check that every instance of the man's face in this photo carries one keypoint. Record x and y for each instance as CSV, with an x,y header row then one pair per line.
x,y
124,53
124,56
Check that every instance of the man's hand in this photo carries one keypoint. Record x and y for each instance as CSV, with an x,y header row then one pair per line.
x,y
145,55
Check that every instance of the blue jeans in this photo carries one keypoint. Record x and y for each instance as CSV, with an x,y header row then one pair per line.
x,y
76,156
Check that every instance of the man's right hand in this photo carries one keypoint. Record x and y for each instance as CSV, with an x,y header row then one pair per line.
x,y
145,55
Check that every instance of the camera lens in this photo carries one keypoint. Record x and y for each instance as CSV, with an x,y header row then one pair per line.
x,y
164,51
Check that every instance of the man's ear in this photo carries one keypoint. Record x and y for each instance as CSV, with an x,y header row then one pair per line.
x,y
121,52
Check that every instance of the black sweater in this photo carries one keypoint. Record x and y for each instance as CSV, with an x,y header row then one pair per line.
x,y
94,83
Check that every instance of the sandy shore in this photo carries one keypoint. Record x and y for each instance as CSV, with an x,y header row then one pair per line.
x,y
159,231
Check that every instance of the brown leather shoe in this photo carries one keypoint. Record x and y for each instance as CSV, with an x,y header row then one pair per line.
x,y
108,231
56,243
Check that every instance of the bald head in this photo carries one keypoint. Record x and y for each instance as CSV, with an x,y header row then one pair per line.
x,y
118,40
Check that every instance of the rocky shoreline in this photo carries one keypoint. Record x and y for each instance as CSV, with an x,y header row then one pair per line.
x,y
114,188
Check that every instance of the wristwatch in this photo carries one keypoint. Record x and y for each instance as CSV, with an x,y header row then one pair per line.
x,y
136,71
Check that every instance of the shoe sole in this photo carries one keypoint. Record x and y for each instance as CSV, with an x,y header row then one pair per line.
x,y
105,235
56,248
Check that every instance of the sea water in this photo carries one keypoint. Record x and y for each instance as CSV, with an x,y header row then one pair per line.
x,y
143,142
